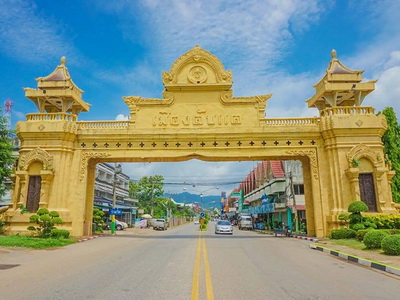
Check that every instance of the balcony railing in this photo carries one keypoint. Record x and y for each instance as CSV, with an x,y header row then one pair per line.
x,y
103,124
348,110
51,117
292,121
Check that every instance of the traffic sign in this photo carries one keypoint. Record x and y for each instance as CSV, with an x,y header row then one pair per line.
x,y
116,211
202,215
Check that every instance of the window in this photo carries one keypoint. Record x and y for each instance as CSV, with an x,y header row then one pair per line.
x,y
298,189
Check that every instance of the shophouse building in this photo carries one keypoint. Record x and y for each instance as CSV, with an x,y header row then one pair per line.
x,y
273,194
103,193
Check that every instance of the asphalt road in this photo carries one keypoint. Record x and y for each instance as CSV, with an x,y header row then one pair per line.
x,y
182,263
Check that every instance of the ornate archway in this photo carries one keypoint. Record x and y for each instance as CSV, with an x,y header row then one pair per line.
x,y
198,117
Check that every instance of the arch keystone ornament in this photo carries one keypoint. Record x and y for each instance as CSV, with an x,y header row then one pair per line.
x,y
361,151
198,117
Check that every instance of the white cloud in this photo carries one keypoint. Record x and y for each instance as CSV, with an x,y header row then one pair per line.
x,y
387,92
239,30
249,35
121,117
26,35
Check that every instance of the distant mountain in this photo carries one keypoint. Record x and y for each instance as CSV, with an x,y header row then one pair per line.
x,y
205,201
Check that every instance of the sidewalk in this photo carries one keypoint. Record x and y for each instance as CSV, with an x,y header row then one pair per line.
x,y
389,264
362,261
132,230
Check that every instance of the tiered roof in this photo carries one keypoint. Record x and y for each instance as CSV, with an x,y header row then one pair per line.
x,y
57,92
340,86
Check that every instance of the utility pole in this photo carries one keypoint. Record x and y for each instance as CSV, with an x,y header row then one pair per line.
x,y
294,201
152,198
117,170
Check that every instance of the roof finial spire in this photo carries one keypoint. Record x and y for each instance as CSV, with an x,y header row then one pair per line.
x,y
333,53
63,60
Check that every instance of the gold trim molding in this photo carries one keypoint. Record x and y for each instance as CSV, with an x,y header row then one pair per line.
x,y
37,154
312,155
84,161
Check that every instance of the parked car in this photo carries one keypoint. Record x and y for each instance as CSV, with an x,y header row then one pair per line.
x,y
245,222
223,226
160,224
196,222
118,225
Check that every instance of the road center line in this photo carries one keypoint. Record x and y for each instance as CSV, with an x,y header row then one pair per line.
x,y
195,283
209,287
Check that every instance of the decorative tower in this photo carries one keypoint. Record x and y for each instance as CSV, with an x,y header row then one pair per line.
x,y
340,86
352,144
57,93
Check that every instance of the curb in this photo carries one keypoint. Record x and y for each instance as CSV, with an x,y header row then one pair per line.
x,y
311,239
361,261
262,231
305,238
91,238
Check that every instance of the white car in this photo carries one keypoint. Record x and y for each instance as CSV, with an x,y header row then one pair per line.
x,y
196,222
223,226
119,225
160,224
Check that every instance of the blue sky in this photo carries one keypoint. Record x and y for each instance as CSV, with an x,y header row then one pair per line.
x,y
120,48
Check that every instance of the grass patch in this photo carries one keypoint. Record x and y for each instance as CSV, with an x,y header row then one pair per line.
x,y
33,242
351,243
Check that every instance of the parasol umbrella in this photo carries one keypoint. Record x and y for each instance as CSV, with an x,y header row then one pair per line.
x,y
146,216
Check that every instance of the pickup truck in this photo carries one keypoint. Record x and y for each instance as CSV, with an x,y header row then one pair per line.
x,y
160,224
245,222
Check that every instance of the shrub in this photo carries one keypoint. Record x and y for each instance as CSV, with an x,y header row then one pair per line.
x,y
358,226
357,207
45,221
391,245
384,221
369,224
98,219
373,239
361,233
59,233
391,231
343,233
343,217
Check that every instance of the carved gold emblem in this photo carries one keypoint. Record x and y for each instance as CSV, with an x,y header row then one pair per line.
x,y
197,74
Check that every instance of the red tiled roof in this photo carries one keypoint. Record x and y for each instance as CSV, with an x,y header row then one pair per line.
x,y
277,168
265,168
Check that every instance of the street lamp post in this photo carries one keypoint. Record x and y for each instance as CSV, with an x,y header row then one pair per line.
x,y
117,170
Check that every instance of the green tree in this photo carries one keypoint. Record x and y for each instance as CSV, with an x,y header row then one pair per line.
x,y
147,191
6,157
391,143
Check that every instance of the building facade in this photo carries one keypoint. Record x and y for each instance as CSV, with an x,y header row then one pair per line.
x,y
273,194
103,192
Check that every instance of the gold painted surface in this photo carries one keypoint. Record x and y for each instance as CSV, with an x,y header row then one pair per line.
x,y
198,117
